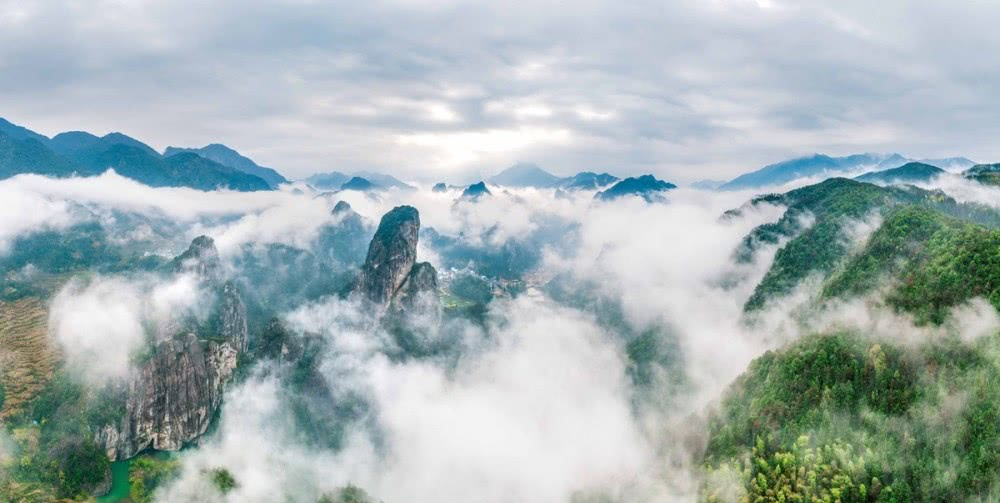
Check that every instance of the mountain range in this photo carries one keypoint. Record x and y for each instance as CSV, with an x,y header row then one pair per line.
x,y
361,180
84,154
524,174
229,157
820,165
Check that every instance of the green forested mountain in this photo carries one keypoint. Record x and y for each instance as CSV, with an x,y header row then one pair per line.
x,y
986,174
814,231
841,417
852,417
911,172
932,261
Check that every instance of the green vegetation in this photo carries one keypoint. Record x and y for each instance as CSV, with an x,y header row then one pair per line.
x,y
472,288
811,248
148,472
54,441
911,172
38,263
349,494
223,480
814,227
935,262
842,418
986,174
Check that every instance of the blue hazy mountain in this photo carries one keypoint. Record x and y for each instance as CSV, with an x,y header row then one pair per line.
x,y
587,181
233,159
525,174
20,132
335,180
384,181
707,184
945,163
85,154
475,191
29,155
912,172
359,184
812,166
645,186
328,181
951,163
188,169
80,144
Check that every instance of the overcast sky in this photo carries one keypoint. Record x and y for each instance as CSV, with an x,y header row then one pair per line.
x,y
454,90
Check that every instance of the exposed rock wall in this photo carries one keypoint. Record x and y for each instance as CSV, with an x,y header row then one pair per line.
x,y
172,396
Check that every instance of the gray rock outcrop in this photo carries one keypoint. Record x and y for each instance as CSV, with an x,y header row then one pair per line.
x,y
172,396
391,275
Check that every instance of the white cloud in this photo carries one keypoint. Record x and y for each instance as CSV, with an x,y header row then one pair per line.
x,y
102,323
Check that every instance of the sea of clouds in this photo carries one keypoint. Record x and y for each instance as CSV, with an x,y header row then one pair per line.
x,y
538,408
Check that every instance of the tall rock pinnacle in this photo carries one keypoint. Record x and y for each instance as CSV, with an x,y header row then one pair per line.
x,y
392,259
391,255
201,258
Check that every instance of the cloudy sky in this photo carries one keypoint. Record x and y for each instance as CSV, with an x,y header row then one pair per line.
x,y
449,89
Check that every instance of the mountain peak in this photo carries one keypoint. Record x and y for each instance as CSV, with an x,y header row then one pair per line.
x,y
201,258
475,191
342,207
358,183
908,173
647,187
524,174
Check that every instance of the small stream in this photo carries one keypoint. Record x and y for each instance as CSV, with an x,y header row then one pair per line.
x,y
119,483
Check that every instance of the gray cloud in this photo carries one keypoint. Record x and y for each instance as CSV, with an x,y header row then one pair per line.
x,y
685,89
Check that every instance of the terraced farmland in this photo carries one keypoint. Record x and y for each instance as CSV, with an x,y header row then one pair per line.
x,y
27,356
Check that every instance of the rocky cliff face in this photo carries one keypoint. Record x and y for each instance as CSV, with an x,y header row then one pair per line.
x,y
172,396
391,275
421,281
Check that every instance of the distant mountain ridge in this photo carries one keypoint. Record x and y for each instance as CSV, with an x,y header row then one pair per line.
x,y
78,153
366,180
819,165
525,175
233,159
810,166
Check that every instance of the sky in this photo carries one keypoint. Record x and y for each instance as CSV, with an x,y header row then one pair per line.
x,y
455,90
